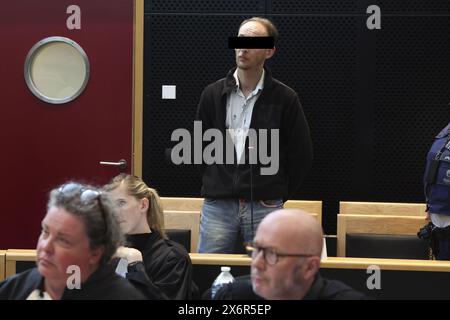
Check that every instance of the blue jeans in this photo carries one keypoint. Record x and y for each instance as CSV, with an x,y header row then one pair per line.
x,y
222,219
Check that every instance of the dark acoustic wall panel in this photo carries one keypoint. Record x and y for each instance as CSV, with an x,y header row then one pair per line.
x,y
189,52
316,57
374,99
412,92
413,6
401,7
310,6
204,6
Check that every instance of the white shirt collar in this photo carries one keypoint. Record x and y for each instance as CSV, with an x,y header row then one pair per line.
x,y
260,84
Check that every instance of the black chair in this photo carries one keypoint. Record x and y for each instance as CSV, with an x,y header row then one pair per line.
x,y
386,246
380,236
181,236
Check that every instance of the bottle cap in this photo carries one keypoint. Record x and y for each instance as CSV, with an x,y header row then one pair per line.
x,y
225,269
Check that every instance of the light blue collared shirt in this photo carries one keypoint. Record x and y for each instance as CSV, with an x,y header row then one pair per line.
x,y
239,113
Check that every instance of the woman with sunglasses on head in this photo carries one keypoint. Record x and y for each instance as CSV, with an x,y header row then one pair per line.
x,y
79,237
141,218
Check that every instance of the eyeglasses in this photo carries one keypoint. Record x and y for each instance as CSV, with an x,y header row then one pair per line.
x,y
86,196
270,256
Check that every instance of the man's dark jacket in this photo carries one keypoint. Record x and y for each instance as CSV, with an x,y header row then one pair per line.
x,y
277,107
321,289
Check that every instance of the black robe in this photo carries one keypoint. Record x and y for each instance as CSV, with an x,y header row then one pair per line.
x,y
167,264
103,284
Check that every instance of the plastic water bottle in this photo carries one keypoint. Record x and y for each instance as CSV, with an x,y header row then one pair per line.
x,y
223,278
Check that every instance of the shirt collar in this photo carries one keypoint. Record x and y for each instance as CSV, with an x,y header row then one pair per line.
x,y
259,86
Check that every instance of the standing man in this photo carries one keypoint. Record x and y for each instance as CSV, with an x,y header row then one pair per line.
x,y
250,101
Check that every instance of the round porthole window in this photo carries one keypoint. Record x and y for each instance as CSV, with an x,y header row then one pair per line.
x,y
56,70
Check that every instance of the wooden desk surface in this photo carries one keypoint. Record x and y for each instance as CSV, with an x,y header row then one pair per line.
x,y
21,255
333,262
218,258
386,264
244,260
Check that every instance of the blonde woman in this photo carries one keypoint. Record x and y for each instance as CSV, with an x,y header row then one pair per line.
x,y
166,263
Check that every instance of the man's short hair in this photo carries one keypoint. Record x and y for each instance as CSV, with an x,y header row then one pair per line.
x,y
270,27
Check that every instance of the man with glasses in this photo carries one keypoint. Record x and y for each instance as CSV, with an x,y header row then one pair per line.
x,y
285,262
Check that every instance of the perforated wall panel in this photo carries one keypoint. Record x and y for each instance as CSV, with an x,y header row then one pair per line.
x,y
189,52
403,7
311,6
316,57
412,83
202,6
374,99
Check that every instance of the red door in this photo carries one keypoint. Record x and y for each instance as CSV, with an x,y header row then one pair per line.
x,y
43,144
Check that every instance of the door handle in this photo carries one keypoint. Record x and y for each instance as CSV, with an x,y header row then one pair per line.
x,y
122,164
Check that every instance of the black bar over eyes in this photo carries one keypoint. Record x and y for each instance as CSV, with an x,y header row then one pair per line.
x,y
251,42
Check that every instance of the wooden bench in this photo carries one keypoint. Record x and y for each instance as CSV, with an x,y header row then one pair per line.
x,y
430,278
312,206
195,204
375,225
2,264
219,259
182,204
13,256
382,208
185,220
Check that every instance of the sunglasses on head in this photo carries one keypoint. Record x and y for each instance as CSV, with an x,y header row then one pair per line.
x,y
86,196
